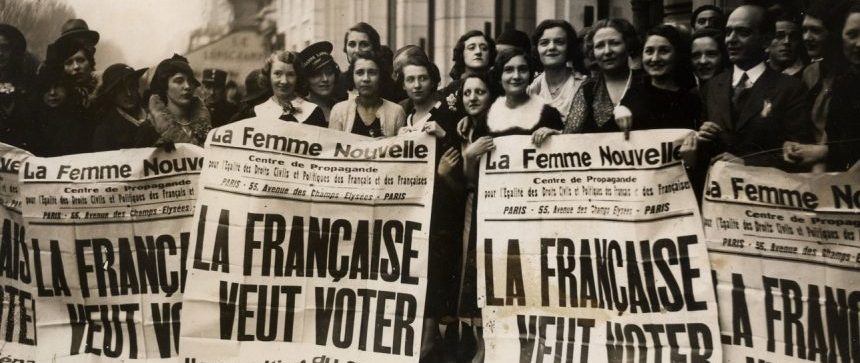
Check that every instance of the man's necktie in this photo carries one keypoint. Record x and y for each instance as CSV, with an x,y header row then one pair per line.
x,y
739,92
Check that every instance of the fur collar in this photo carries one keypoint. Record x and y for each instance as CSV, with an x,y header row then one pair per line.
x,y
165,123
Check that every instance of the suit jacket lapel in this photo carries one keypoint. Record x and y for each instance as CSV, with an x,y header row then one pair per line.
x,y
752,106
720,106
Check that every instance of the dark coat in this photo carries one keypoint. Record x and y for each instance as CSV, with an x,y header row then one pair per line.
x,y
114,132
843,124
776,109
222,113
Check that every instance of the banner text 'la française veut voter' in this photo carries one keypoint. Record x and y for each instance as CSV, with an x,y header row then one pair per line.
x,y
590,248
109,234
309,244
785,249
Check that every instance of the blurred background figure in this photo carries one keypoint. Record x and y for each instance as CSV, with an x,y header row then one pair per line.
x,y
214,94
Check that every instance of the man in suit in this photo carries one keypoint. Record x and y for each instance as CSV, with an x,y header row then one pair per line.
x,y
750,109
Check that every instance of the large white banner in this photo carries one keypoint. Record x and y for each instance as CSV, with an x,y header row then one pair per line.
x,y
17,298
785,249
590,248
310,245
109,234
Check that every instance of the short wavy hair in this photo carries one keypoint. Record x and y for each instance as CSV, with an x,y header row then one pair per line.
x,y
420,61
683,67
574,49
628,34
459,63
503,58
288,57
490,89
385,82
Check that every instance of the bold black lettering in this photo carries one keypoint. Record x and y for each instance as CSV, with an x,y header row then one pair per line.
x,y
295,265
514,288
688,274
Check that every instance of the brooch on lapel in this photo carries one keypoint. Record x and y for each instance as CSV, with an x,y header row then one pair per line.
x,y
766,108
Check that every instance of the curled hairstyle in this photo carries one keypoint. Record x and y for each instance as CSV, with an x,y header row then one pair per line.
x,y
385,81
288,57
459,63
504,57
372,35
490,90
682,71
622,26
703,8
420,61
574,49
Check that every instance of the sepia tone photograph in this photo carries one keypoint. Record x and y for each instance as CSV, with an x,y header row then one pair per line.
x,y
356,181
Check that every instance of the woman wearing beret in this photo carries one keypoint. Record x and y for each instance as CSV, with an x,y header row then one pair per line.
x,y
120,106
177,116
16,79
322,76
368,113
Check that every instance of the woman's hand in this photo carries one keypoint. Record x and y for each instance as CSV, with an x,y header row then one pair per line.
x,y
540,135
709,131
688,150
432,128
464,126
449,162
803,154
480,147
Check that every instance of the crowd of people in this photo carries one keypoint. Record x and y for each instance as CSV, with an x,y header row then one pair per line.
x,y
762,85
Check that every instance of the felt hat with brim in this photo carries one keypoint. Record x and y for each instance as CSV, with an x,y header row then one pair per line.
x,y
317,56
114,75
48,76
255,90
15,38
78,29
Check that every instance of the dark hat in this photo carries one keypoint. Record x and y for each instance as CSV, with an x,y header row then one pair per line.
x,y
255,90
317,56
14,37
515,38
49,75
166,69
115,75
214,75
78,29
62,49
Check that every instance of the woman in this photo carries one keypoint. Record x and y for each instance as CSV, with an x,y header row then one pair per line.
x,y
612,41
322,74
282,74
16,78
555,44
60,127
77,59
709,55
473,54
368,114
121,109
665,99
517,112
842,149
177,116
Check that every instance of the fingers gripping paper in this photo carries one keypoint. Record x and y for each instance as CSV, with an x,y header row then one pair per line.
x,y
310,244
108,233
590,249
785,250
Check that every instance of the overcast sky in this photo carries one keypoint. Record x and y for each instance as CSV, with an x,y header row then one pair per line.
x,y
139,32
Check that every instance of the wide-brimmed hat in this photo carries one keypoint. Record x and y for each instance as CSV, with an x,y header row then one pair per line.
x,y
14,37
316,56
114,75
167,68
78,29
